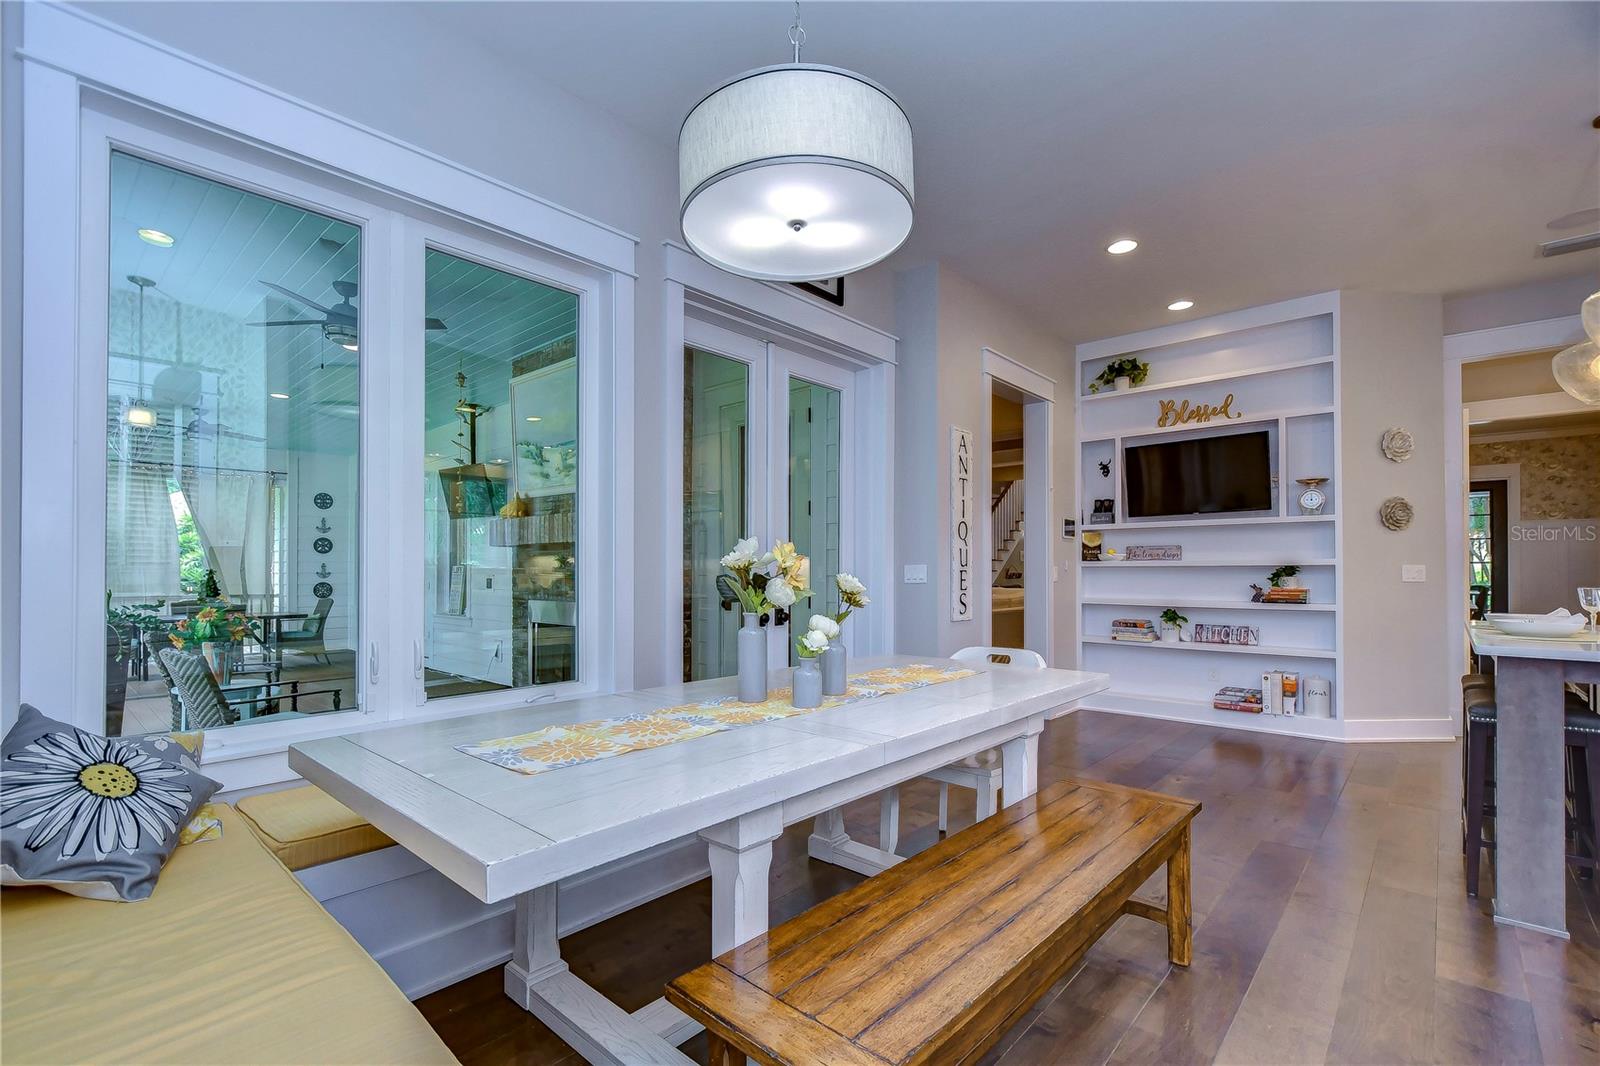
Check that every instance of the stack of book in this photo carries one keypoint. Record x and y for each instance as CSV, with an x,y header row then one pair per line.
x,y
1238,699
1138,630
1286,596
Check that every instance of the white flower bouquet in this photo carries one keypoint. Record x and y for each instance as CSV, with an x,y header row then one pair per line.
x,y
778,579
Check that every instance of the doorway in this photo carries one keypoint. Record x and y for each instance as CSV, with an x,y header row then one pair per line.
x,y
1486,548
765,455
1007,509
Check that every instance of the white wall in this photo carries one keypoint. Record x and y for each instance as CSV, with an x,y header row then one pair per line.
x,y
1520,303
10,355
1396,662
944,322
505,122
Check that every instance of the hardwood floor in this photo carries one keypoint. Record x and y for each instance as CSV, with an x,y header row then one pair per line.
x,y
1332,923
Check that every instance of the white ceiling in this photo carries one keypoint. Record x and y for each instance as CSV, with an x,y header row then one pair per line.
x,y
1257,151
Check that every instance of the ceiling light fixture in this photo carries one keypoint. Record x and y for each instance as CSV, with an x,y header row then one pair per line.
x,y
1180,305
349,347
140,415
157,238
795,172
279,395
1577,369
535,418
1122,246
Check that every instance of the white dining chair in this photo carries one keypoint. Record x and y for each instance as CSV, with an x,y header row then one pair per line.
x,y
980,772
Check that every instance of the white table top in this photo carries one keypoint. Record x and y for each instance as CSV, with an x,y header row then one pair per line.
x,y
497,832
1486,640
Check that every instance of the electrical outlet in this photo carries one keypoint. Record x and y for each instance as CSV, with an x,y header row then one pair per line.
x,y
1413,572
916,574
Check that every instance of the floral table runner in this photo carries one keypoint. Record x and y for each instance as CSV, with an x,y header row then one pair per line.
x,y
567,745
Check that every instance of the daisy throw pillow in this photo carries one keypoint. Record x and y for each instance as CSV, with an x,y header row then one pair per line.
x,y
89,815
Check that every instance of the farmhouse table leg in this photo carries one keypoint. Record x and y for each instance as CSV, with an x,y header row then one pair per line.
x,y
889,819
740,853
1019,765
1180,924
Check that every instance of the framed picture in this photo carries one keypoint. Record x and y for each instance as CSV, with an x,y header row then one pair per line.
x,y
830,289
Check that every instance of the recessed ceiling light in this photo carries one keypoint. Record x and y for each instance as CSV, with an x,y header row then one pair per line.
x,y
279,395
157,238
1180,305
500,462
535,418
1123,246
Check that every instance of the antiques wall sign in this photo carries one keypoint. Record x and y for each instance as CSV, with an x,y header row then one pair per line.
x,y
962,519
1183,413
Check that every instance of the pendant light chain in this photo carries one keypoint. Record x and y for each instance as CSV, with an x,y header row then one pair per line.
x,y
797,32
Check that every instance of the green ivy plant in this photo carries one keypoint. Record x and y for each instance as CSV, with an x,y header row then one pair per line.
x,y
1135,370
1172,618
1277,576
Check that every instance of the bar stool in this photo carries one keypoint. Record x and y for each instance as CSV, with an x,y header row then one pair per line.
x,y
1582,773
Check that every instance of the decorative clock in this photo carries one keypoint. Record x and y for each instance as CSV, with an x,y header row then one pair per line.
x,y
1313,497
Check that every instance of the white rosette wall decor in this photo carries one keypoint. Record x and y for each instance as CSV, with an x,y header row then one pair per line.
x,y
1395,513
1397,445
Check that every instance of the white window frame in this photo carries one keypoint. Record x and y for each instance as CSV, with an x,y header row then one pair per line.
x,y
596,448
69,54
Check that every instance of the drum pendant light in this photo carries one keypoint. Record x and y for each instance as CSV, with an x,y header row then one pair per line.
x,y
795,172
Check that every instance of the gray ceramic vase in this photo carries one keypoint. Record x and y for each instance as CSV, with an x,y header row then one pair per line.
x,y
752,661
808,683
835,670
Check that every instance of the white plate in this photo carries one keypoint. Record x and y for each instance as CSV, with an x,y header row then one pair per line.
x,y
1538,625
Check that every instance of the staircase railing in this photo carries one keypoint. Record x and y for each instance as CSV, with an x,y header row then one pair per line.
x,y
1005,523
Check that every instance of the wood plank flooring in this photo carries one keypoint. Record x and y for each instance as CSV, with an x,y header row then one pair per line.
x,y
1332,923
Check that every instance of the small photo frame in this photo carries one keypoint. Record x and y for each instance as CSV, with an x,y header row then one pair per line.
x,y
830,289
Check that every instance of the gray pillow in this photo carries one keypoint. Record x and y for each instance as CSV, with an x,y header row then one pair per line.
x,y
90,816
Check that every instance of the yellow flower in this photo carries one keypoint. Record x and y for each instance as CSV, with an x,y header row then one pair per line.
x,y
206,615
567,749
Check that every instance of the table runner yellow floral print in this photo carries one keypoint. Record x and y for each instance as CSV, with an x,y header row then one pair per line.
x,y
568,745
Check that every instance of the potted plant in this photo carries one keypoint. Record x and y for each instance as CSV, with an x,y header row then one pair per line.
x,y
807,687
212,629
1172,624
1121,374
852,596
1284,577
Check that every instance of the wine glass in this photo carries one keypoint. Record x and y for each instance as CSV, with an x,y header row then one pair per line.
x,y
1589,600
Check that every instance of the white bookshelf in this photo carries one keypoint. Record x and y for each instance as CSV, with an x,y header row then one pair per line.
x,y
1282,372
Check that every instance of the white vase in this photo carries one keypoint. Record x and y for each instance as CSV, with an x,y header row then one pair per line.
x,y
1170,634
1289,583
835,672
1123,383
807,688
752,661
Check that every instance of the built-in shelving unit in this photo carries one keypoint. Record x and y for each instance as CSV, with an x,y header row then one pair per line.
x,y
1282,375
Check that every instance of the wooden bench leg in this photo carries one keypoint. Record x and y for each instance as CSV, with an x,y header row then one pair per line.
x,y
721,1053
1180,931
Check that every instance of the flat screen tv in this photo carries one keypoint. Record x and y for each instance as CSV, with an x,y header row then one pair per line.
x,y
1203,475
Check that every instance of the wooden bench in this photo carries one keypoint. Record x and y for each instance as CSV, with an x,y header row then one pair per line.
x,y
935,958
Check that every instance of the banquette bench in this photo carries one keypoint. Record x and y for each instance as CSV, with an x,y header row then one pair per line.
x,y
229,961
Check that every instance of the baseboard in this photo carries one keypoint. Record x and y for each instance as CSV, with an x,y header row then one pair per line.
x,y
1399,730
428,933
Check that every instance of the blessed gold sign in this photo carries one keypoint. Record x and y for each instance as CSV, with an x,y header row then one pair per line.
x,y
1183,413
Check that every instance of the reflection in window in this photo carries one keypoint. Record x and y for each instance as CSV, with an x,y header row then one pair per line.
x,y
231,455
716,415
500,480
814,495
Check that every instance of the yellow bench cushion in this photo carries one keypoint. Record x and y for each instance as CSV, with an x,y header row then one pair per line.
x,y
306,827
229,961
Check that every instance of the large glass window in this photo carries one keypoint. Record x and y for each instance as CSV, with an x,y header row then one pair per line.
x,y
232,432
500,480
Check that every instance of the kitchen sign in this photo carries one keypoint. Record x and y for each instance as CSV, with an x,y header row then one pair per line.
x,y
962,524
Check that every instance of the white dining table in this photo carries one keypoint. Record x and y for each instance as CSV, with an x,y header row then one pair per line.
x,y
1530,885
501,834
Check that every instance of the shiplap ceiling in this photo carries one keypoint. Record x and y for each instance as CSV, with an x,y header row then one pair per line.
x,y
228,243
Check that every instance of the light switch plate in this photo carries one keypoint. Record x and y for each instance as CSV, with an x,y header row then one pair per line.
x,y
1413,572
916,574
